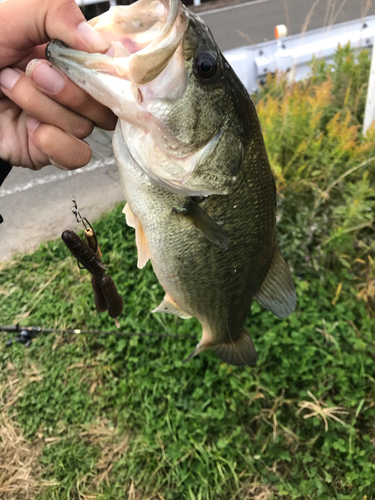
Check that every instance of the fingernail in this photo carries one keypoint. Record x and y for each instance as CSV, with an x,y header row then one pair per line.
x,y
93,37
8,78
45,76
58,165
32,124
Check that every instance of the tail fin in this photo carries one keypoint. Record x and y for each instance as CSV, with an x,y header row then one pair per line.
x,y
240,352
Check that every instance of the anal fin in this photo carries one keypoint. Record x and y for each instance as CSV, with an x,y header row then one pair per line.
x,y
168,305
140,237
277,293
239,352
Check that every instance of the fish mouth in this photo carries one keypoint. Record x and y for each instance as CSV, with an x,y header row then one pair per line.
x,y
144,36
141,74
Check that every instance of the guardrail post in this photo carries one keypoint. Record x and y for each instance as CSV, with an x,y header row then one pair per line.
x,y
370,101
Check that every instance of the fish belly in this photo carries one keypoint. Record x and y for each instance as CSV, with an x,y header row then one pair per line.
x,y
208,282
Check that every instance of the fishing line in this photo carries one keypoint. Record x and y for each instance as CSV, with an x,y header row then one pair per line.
x,y
95,151
27,333
81,141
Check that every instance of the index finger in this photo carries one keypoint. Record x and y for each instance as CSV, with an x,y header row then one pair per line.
x,y
25,24
38,52
61,89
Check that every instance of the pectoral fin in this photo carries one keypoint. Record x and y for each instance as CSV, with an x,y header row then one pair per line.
x,y
202,221
168,305
277,293
140,237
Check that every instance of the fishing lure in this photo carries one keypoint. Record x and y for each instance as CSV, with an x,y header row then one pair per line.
x,y
106,295
88,256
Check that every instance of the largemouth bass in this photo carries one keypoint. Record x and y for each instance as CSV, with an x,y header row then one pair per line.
x,y
195,173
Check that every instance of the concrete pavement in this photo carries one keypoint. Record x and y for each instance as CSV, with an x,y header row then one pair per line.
x,y
36,206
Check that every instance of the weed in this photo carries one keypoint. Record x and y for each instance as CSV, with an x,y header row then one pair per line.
x,y
124,418
323,165
20,468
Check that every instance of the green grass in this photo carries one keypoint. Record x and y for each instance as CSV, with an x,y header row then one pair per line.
x,y
204,429
123,418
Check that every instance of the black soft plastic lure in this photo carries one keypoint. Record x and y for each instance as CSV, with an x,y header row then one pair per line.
x,y
106,295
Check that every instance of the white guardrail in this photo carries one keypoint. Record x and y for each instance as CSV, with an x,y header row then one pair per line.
x,y
293,54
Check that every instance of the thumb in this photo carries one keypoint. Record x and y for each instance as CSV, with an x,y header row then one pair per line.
x,y
24,24
65,21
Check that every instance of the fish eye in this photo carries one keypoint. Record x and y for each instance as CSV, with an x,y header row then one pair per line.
x,y
205,65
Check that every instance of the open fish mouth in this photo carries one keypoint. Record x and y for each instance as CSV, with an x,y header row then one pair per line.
x,y
147,35
144,37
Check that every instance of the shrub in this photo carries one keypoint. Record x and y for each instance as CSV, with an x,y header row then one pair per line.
x,y
323,165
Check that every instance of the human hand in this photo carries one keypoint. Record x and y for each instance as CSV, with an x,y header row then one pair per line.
x,y
42,113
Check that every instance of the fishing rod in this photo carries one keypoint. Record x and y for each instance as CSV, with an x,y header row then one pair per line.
x,y
88,255
27,333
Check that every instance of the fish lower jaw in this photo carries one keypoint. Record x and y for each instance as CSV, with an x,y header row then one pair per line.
x,y
171,172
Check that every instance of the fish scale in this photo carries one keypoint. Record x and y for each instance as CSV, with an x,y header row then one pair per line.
x,y
194,169
211,284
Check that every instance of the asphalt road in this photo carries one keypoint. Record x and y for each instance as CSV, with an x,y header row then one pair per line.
x,y
36,206
254,22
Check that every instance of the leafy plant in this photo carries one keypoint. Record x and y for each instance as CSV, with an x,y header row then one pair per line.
x,y
324,166
124,418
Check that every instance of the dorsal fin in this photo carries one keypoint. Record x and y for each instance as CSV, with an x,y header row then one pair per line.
x,y
140,237
168,305
277,293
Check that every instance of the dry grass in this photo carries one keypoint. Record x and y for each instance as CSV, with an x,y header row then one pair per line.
x,y
256,491
19,463
20,470
321,410
113,446
367,287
